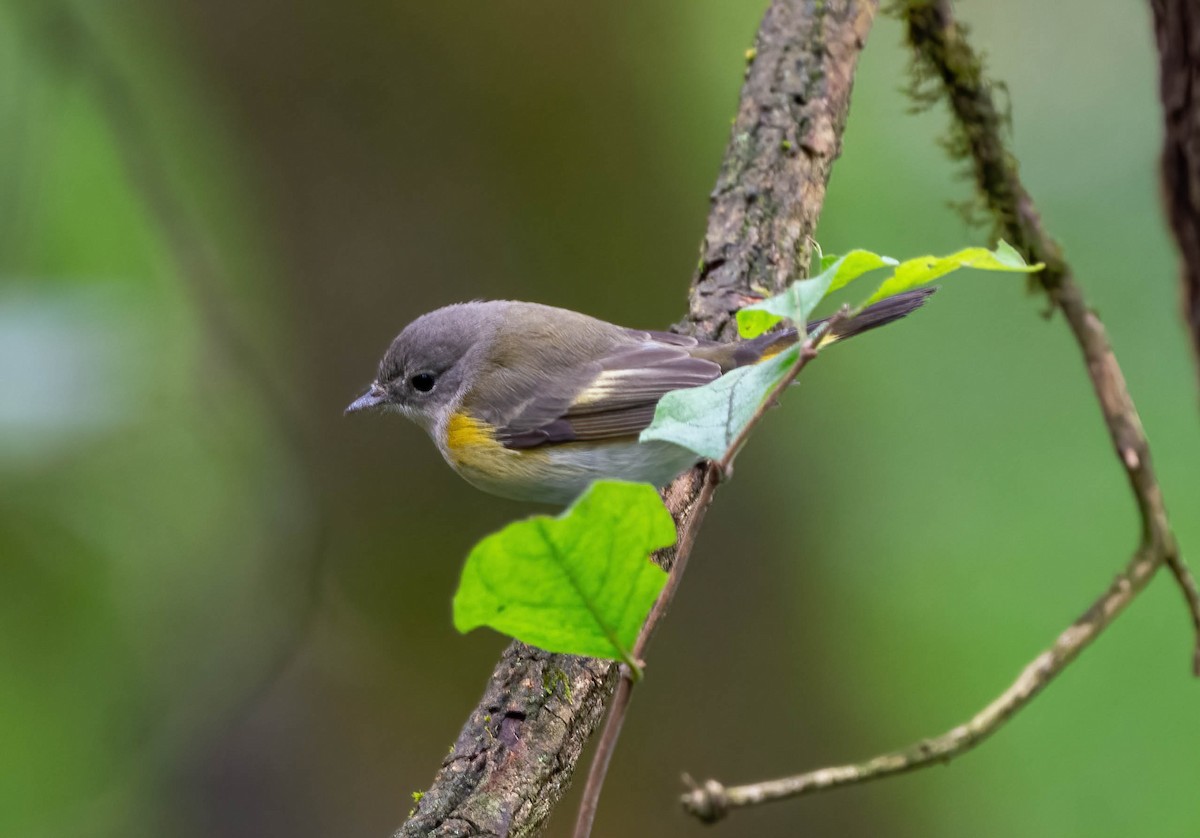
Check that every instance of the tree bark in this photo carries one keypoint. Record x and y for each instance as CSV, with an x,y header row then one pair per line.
x,y
518,750
1177,30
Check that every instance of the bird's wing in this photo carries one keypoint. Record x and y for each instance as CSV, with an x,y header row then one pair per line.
x,y
616,394
611,397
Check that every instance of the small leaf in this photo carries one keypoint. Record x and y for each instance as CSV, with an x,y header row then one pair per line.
x,y
924,269
581,583
856,263
797,302
820,261
708,419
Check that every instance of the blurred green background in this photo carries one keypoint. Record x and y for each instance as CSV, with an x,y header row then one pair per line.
x,y
224,608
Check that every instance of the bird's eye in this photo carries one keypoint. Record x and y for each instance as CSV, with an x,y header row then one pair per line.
x,y
422,382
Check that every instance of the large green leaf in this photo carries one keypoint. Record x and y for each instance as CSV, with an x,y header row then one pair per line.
x,y
708,419
581,583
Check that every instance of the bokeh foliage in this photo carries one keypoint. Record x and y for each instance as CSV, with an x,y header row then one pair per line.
x,y
225,610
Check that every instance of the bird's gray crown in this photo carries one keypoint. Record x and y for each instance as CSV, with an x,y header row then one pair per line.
x,y
427,364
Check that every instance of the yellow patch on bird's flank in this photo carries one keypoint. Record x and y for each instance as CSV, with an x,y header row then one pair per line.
x,y
471,449
465,435
471,446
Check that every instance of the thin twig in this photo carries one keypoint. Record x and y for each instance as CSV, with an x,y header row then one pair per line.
x,y
940,44
714,472
620,703
711,801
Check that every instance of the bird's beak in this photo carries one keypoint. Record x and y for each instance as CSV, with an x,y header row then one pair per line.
x,y
374,397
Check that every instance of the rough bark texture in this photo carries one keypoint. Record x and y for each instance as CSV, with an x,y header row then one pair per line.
x,y
772,181
517,752
1177,28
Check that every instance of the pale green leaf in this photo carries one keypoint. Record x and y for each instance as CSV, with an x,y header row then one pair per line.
x,y
856,263
708,419
913,273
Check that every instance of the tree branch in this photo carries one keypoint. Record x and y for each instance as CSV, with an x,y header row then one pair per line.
x,y
944,54
518,750
1177,31
940,43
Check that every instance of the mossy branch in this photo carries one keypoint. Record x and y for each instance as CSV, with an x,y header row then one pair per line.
x,y
942,53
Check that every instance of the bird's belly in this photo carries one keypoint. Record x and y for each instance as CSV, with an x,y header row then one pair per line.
x,y
558,473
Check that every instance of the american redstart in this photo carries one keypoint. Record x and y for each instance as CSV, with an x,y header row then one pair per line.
x,y
533,402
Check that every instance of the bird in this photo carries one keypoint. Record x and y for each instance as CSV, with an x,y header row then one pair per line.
x,y
534,403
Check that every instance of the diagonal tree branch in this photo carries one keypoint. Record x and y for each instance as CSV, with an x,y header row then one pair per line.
x,y
944,55
518,750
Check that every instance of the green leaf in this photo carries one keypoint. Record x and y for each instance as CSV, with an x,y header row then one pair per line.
x,y
924,269
581,583
708,419
856,263
821,261
797,302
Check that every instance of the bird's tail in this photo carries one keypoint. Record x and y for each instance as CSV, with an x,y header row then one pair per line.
x,y
871,317
874,316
